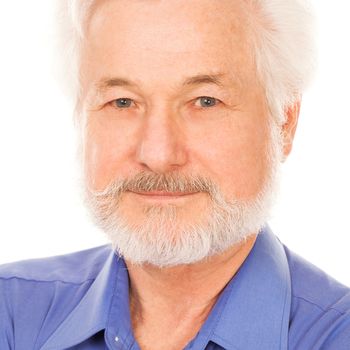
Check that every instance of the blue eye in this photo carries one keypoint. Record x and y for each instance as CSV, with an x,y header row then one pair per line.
x,y
122,102
206,101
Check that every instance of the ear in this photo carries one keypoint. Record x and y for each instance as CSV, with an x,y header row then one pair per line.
x,y
289,127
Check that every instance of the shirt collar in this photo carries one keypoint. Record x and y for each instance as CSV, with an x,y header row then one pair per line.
x,y
252,312
254,309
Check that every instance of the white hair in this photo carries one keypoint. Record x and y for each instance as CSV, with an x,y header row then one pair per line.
x,y
283,41
72,16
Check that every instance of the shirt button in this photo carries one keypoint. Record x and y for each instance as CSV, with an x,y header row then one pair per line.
x,y
116,339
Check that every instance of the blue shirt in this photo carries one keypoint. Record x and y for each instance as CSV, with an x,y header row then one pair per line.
x,y
80,301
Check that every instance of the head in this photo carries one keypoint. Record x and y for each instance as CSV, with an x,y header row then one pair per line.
x,y
186,109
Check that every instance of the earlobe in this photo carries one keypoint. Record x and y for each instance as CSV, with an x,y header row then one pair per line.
x,y
290,126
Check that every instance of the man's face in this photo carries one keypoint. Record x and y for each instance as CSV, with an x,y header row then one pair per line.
x,y
170,90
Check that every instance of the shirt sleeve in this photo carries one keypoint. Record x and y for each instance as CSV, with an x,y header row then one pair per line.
x,y
339,339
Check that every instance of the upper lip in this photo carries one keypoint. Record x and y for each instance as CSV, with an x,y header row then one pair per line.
x,y
163,193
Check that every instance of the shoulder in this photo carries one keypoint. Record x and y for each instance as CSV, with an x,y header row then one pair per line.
x,y
73,268
320,309
42,292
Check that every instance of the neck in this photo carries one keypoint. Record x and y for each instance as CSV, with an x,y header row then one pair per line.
x,y
180,296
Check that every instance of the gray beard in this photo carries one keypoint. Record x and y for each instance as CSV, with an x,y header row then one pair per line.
x,y
161,239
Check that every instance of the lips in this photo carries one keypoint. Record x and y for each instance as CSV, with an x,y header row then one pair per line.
x,y
164,193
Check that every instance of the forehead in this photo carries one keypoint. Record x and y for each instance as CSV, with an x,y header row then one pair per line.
x,y
172,38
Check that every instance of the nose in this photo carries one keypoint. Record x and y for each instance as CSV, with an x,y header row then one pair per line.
x,y
161,147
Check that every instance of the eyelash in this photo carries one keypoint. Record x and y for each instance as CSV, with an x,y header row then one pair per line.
x,y
215,100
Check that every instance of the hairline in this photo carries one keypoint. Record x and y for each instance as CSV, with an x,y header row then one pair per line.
x,y
280,73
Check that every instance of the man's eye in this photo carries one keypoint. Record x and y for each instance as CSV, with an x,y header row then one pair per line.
x,y
206,101
122,102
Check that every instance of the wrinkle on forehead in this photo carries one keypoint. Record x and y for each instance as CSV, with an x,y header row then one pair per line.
x,y
185,27
170,41
181,18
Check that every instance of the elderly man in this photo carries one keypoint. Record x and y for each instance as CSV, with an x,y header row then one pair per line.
x,y
186,109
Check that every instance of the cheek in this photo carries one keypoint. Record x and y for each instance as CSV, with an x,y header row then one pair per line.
x,y
97,163
105,152
236,156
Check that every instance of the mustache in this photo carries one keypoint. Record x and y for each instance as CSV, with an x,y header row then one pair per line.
x,y
147,182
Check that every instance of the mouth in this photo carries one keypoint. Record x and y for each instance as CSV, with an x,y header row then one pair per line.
x,y
163,195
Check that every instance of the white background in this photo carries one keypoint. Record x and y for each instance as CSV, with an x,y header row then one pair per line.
x,y
40,208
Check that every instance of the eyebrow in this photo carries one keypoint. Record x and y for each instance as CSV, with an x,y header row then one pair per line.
x,y
215,79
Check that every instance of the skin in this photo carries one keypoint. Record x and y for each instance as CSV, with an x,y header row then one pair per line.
x,y
158,45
